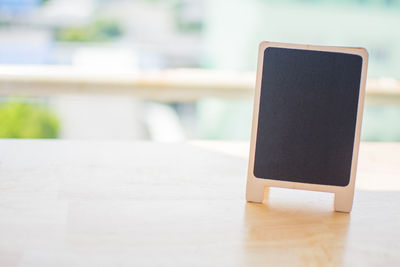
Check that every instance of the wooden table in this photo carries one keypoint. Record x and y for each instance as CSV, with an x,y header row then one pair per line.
x,y
75,203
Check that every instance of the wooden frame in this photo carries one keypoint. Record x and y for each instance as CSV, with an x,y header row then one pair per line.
x,y
256,187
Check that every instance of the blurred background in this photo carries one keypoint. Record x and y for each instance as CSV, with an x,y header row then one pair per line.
x,y
173,70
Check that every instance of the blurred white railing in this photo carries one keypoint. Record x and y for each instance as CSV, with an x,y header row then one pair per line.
x,y
165,85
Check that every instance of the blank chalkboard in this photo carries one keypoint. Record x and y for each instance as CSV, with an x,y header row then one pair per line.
x,y
307,116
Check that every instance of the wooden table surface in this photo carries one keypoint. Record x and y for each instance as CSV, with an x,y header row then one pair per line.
x,y
77,203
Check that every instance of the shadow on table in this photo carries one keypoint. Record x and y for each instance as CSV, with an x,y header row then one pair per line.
x,y
288,234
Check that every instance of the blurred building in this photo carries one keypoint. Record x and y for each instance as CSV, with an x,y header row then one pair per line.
x,y
215,34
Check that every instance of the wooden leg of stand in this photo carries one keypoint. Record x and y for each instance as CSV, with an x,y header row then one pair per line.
x,y
344,201
254,191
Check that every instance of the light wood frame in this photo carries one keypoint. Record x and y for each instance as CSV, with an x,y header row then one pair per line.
x,y
256,187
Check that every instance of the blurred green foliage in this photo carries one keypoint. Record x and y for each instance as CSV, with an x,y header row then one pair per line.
x,y
99,31
27,120
182,22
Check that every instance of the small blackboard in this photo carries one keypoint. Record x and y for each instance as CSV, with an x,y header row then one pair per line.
x,y
307,116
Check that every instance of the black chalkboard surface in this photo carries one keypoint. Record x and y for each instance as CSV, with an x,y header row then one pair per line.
x,y
307,116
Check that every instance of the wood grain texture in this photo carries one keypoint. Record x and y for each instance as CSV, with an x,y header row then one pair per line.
x,y
73,203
